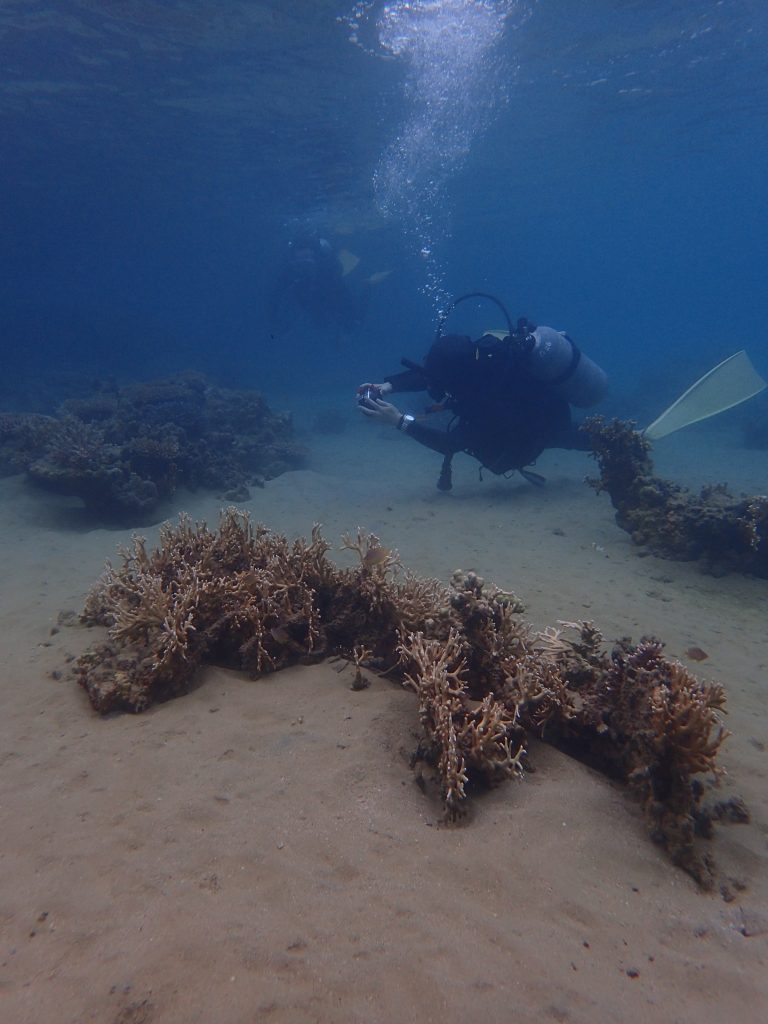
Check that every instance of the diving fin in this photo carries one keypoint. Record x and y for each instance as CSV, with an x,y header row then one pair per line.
x,y
348,261
378,276
533,478
728,384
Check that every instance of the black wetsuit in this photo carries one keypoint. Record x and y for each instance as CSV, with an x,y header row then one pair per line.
x,y
503,417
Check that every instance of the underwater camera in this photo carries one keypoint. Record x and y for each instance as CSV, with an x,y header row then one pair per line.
x,y
369,393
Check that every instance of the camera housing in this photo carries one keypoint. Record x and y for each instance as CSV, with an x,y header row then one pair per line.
x,y
370,393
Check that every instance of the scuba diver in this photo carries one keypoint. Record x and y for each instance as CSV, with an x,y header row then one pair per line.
x,y
510,393
312,280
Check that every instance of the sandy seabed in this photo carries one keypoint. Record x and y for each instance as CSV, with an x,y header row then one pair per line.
x,y
258,850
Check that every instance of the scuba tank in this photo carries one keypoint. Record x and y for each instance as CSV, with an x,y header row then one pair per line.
x,y
548,355
552,357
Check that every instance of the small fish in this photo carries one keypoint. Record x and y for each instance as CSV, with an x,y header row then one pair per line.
x,y
696,654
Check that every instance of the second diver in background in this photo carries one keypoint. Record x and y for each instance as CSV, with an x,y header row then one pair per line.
x,y
314,282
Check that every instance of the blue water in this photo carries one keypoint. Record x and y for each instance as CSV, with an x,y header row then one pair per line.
x,y
599,165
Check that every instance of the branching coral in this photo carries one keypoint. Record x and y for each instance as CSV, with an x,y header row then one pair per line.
x,y
485,680
646,720
76,446
754,522
22,437
458,738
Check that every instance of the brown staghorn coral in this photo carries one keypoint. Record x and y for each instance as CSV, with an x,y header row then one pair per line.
x,y
457,736
485,680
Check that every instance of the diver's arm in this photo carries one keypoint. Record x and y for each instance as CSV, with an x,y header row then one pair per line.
x,y
438,440
408,380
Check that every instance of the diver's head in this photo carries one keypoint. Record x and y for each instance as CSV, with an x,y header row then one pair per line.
x,y
307,253
303,257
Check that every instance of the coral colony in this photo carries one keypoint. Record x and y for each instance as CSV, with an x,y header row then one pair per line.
x,y
486,682
726,533
125,450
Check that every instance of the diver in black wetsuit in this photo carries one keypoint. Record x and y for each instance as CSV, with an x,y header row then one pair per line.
x,y
510,395
311,280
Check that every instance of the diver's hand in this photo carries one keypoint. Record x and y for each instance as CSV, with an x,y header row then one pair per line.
x,y
376,409
383,389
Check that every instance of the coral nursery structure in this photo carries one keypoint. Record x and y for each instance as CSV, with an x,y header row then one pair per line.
x,y
123,450
726,533
485,681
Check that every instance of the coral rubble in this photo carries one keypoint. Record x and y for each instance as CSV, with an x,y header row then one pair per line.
x,y
726,533
486,682
125,450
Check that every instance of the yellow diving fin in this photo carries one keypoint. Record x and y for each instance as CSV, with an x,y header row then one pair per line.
x,y
348,261
379,276
729,383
